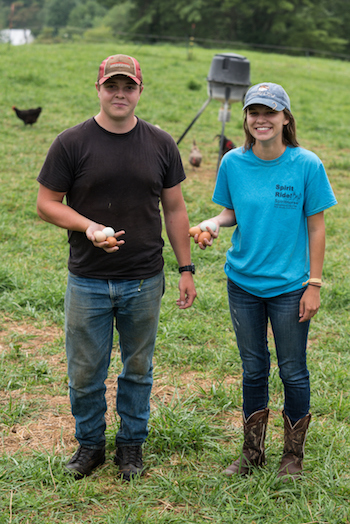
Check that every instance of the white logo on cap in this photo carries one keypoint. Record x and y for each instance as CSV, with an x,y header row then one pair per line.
x,y
265,90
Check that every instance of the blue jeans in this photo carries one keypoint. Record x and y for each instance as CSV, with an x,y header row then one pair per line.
x,y
91,305
250,315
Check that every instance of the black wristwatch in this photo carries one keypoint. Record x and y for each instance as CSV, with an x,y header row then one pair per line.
x,y
190,268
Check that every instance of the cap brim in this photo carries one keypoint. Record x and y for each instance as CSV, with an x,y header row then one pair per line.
x,y
107,77
264,102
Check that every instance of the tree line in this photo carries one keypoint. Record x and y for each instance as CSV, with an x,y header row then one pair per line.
x,y
322,25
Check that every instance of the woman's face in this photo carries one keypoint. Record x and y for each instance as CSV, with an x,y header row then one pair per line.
x,y
265,124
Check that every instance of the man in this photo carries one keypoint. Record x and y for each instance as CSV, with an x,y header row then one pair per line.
x,y
113,170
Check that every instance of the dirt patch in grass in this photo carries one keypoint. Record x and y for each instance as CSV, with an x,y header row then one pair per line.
x,y
51,425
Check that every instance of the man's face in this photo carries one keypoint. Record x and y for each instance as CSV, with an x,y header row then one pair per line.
x,y
119,97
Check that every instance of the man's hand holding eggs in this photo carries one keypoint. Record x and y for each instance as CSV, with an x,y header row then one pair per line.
x,y
100,236
107,235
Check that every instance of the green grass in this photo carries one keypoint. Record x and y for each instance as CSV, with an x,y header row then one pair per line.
x,y
195,426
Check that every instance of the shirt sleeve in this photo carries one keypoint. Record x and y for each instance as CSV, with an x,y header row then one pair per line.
x,y
221,194
57,172
175,172
318,192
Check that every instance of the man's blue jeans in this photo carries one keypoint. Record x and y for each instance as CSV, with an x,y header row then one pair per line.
x,y
91,305
250,316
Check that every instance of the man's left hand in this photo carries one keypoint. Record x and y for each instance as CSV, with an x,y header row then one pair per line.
x,y
187,290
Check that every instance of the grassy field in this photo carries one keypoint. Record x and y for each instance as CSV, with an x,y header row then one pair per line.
x,y
195,426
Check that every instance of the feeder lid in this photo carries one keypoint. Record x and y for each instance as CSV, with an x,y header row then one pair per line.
x,y
229,68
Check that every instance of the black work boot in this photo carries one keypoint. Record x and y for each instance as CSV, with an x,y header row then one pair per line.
x,y
84,461
253,452
129,460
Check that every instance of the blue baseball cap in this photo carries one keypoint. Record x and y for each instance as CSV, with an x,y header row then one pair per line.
x,y
267,94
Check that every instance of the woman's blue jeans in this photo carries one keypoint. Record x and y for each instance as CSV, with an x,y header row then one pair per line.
x,y
91,307
250,315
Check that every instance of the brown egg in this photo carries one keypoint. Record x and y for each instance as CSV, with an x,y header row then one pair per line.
x,y
112,241
203,235
196,230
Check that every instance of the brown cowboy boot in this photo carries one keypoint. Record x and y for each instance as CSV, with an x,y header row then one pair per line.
x,y
294,443
253,452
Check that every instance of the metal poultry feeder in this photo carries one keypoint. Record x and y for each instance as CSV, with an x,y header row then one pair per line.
x,y
228,77
228,81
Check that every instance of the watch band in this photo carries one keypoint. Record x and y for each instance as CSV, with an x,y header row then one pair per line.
x,y
190,268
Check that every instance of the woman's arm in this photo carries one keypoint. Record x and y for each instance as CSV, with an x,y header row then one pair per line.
x,y
310,301
227,218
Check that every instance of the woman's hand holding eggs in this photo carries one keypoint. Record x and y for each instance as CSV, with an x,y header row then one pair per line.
x,y
208,223
196,230
200,233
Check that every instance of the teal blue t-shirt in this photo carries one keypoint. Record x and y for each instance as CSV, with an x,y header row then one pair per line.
x,y
272,200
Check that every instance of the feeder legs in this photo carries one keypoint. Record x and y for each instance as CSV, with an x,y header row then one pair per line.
x,y
226,106
195,118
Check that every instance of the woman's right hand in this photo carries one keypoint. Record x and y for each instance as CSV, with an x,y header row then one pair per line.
x,y
227,218
213,234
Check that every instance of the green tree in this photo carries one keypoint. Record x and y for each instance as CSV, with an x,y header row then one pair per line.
x,y
85,14
313,24
297,23
119,17
157,17
107,4
341,10
57,12
21,14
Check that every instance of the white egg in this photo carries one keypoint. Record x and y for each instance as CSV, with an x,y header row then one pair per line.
x,y
208,223
108,231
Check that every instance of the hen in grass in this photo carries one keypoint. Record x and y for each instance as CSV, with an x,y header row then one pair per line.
x,y
195,157
29,116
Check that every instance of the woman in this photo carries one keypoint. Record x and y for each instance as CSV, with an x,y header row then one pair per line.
x,y
276,193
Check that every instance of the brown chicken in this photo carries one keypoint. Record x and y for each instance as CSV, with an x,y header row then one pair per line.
x,y
29,116
195,157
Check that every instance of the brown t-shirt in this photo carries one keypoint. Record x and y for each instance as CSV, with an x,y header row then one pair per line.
x,y
115,180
